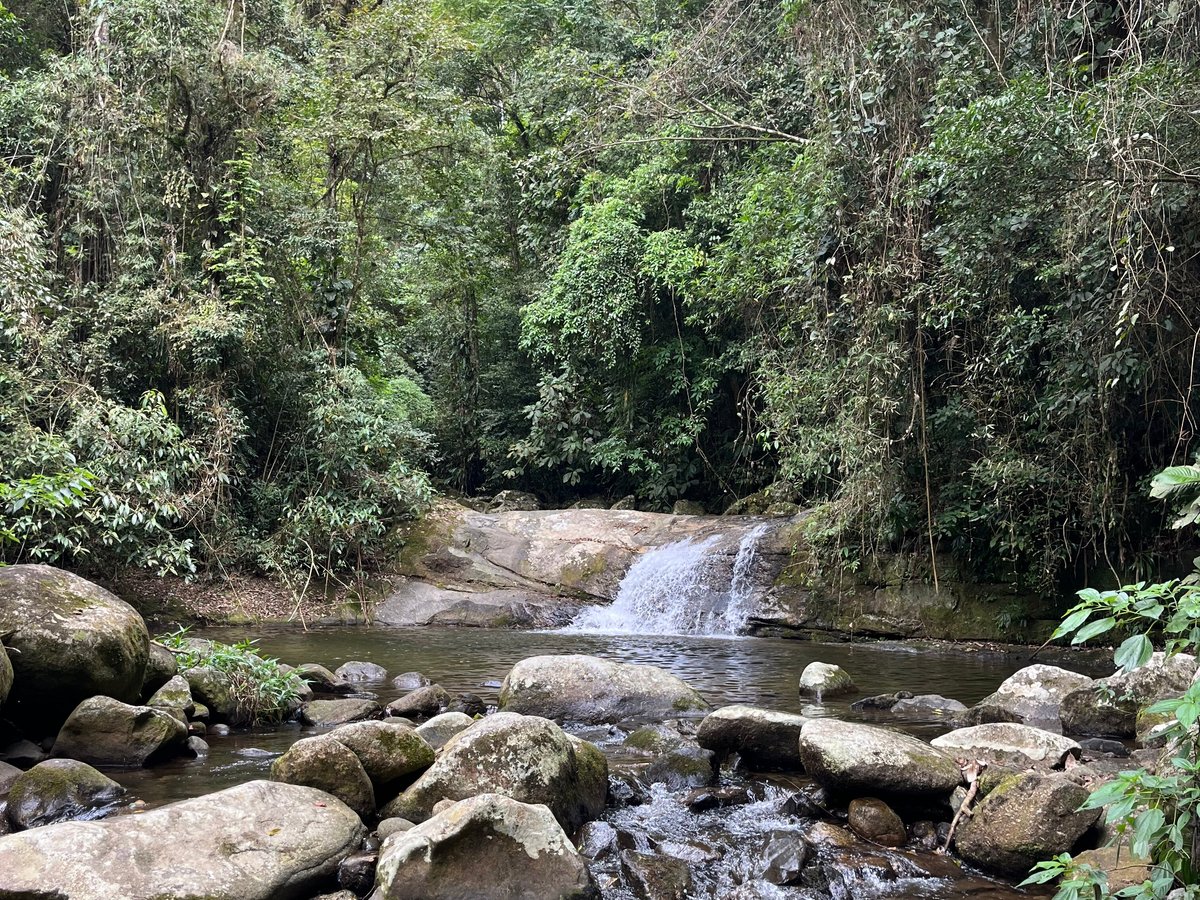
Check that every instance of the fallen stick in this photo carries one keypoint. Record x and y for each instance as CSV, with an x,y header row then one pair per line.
x,y
971,772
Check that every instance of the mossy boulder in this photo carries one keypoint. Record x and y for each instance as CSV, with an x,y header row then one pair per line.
x,y
175,695
328,713
852,759
389,752
683,767
107,732
328,765
58,790
161,666
357,670
524,757
1110,706
68,639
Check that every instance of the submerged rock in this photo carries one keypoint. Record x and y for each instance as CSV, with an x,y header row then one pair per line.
x,y
257,841
656,876
107,732
1032,695
410,681
654,739
825,680
1008,743
327,713
858,759
928,705
763,738
524,757
58,790
587,689
328,765
489,847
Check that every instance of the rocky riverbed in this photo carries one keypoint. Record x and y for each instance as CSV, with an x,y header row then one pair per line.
x,y
569,776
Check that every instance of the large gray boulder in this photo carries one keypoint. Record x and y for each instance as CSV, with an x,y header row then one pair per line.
x,y
1109,707
1031,695
854,759
257,841
1007,743
389,752
765,739
587,689
68,639
524,757
1023,820
57,790
330,766
107,732
489,847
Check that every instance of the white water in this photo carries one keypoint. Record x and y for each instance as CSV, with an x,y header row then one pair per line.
x,y
677,589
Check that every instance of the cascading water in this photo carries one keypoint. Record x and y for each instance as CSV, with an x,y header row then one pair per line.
x,y
677,589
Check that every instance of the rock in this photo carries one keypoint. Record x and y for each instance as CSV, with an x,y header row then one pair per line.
x,y
175,694
653,739
524,757
200,713
654,876
6,675
360,671
8,774
328,765
108,732
67,640
58,790
782,510
389,752
357,872
219,730
214,690
438,730
514,501
928,705
327,713
394,825
586,689
161,667
23,754
628,502
1119,865
858,759
337,895
321,680
822,680
410,681
1008,743
705,798
468,704
875,821
686,766
489,847
880,702
688,508
422,703
1032,695
196,747
1024,819
1104,746
596,839
763,738
1109,707
256,841
782,859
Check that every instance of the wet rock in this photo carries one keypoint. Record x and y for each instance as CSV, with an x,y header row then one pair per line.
x,y
58,790
596,840
257,841
928,705
706,798
161,667
652,876
107,732
1032,695
67,640
219,731
1109,707
880,702
763,738
422,703
1024,819
390,753
438,730
328,713
357,872
1008,743
1104,746
356,670
321,680
524,757
875,821
410,681
924,836
468,704
586,689
8,774
683,767
196,747
214,690
328,765
176,695
489,847
858,759
822,680
654,739
782,859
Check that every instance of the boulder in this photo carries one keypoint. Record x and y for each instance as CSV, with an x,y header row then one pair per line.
x,y
1032,695
327,765
849,758
356,873
174,695
214,690
328,713
389,752
1008,743
782,859
763,738
423,703
468,704
410,681
1110,705
524,757
68,639
587,689
654,739
8,774
58,790
683,767
656,876
108,732
321,680
688,508
1023,820
256,841
161,667
6,675
489,847
873,820
822,680
356,670
928,705
1119,865
438,730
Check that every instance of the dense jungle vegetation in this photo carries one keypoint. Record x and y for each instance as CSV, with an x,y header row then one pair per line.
x,y
273,273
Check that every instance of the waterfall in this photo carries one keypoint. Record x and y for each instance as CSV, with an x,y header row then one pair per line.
x,y
679,589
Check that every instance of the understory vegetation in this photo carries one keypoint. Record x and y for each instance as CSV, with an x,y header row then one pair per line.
x,y
272,274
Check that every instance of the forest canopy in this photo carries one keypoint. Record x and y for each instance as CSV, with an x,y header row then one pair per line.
x,y
273,273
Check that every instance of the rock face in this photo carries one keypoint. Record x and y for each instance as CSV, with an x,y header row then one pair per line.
x,y
389,752
68,640
586,689
523,757
327,765
257,841
857,759
489,847
1110,706
1011,744
763,738
824,680
1024,819
107,732
1032,695
58,790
